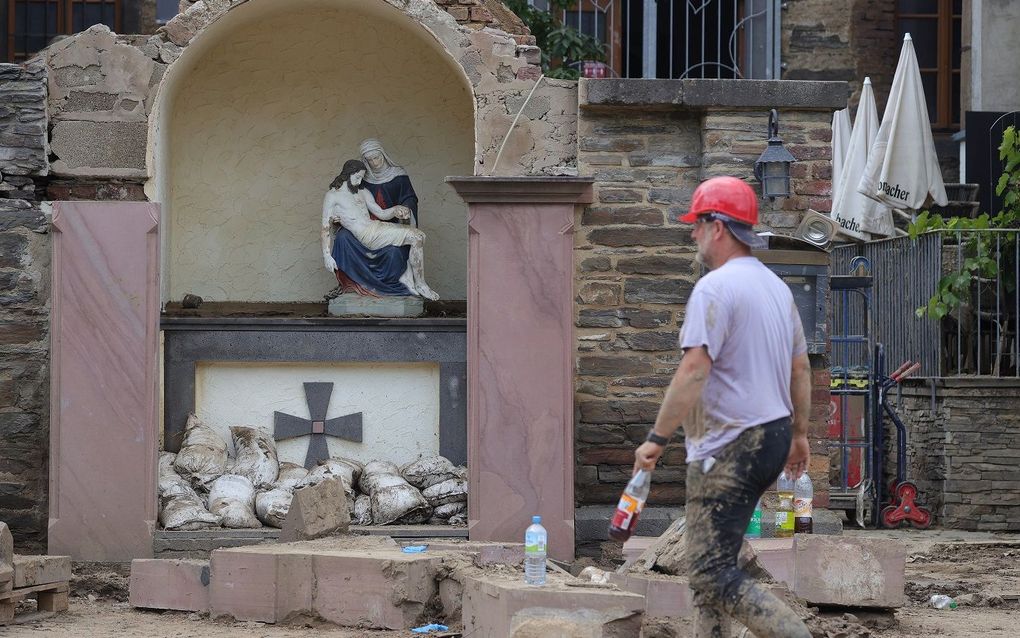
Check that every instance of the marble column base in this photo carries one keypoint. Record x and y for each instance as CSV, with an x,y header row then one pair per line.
x,y
350,304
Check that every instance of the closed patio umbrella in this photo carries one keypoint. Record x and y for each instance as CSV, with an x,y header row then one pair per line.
x,y
840,144
903,169
860,216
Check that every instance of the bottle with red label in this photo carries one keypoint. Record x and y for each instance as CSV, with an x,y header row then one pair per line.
x,y
633,500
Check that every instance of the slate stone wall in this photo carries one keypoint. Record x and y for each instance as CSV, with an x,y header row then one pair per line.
x,y
648,145
24,305
963,451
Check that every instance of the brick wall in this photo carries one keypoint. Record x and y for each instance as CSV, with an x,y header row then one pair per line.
x,y
965,455
635,264
24,306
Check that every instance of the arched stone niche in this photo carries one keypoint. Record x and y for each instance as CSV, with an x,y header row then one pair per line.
x,y
258,114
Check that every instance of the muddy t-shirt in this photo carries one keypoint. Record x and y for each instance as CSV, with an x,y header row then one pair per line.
x,y
745,317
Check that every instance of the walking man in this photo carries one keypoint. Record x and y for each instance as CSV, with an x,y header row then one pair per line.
x,y
743,394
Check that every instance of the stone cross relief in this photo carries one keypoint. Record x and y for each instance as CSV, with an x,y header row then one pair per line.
x,y
318,427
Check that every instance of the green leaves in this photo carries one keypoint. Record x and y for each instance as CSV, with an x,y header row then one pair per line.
x,y
561,44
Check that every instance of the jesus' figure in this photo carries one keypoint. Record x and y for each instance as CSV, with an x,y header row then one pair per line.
x,y
349,204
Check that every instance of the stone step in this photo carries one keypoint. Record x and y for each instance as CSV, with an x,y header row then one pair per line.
x,y
180,585
30,571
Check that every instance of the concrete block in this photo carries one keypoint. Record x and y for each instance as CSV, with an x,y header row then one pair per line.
x,y
584,623
316,511
664,595
491,603
40,570
181,585
851,572
99,149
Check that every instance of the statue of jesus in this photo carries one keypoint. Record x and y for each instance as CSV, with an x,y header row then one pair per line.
x,y
354,208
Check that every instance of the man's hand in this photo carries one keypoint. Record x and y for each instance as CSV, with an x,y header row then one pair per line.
x,y
647,455
799,456
402,212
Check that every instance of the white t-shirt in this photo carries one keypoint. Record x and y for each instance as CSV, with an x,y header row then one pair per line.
x,y
745,317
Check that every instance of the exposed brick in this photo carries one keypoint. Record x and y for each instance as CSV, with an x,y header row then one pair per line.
x,y
657,291
600,433
648,340
19,332
619,195
656,265
599,294
668,236
591,264
606,454
612,366
618,411
12,248
605,215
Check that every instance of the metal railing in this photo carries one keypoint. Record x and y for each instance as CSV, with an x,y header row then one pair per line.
x,y
973,274
736,39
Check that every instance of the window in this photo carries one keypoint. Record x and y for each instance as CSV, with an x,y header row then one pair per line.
x,y
32,24
935,26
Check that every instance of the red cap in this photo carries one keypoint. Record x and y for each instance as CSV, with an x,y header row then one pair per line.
x,y
727,195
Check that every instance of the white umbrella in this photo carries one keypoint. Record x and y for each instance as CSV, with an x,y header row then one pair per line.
x,y
840,143
902,167
857,214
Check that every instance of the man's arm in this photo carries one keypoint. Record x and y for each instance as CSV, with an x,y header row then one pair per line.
x,y
383,213
683,393
800,393
326,236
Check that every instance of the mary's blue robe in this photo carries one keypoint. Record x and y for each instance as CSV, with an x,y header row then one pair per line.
x,y
377,271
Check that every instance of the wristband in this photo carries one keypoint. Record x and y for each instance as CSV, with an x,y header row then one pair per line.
x,y
656,439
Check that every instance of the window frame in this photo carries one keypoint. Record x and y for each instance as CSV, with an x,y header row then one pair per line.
x,y
64,21
945,72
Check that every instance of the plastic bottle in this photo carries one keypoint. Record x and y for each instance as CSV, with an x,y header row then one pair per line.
x,y
941,601
784,513
754,526
629,508
803,494
535,539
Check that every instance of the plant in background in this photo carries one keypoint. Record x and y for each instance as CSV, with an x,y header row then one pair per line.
x,y
982,259
561,44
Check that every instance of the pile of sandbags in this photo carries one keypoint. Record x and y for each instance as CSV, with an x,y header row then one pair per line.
x,y
203,486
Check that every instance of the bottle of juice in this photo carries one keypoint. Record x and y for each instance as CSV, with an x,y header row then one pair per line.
x,y
633,500
803,494
784,514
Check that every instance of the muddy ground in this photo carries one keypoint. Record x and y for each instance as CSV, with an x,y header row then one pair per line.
x,y
981,570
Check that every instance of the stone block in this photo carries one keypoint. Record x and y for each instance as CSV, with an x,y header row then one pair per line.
x,y
585,623
181,585
316,511
493,602
259,585
850,572
40,570
110,149
777,556
352,304
664,595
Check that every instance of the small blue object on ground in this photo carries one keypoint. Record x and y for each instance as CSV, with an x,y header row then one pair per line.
x,y
414,549
424,629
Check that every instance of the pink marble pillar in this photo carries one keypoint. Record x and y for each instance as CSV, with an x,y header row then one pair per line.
x,y
103,408
520,355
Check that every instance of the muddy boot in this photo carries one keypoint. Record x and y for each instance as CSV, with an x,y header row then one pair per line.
x,y
710,622
767,616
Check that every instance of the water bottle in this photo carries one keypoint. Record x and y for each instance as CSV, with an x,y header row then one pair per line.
x,y
535,539
941,601
784,514
754,527
629,508
803,495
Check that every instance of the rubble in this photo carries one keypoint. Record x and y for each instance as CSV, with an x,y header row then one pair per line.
x,y
316,511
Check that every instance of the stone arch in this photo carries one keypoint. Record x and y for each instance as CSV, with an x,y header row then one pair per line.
x,y
261,103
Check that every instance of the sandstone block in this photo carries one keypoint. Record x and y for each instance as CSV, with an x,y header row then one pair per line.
x,y
493,606
40,570
584,623
181,585
846,571
664,595
316,511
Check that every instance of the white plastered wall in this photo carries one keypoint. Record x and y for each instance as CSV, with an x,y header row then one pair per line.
x,y
258,116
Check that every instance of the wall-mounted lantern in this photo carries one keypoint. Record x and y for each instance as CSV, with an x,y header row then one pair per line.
x,y
773,166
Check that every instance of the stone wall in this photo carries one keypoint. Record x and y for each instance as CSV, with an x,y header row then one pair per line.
x,y
964,455
648,144
24,305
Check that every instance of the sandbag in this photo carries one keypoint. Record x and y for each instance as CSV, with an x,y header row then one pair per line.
x,y
450,509
426,471
374,469
332,468
255,455
232,498
450,491
398,502
458,520
186,513
291,475
271,506
166,464
362,510
203,455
